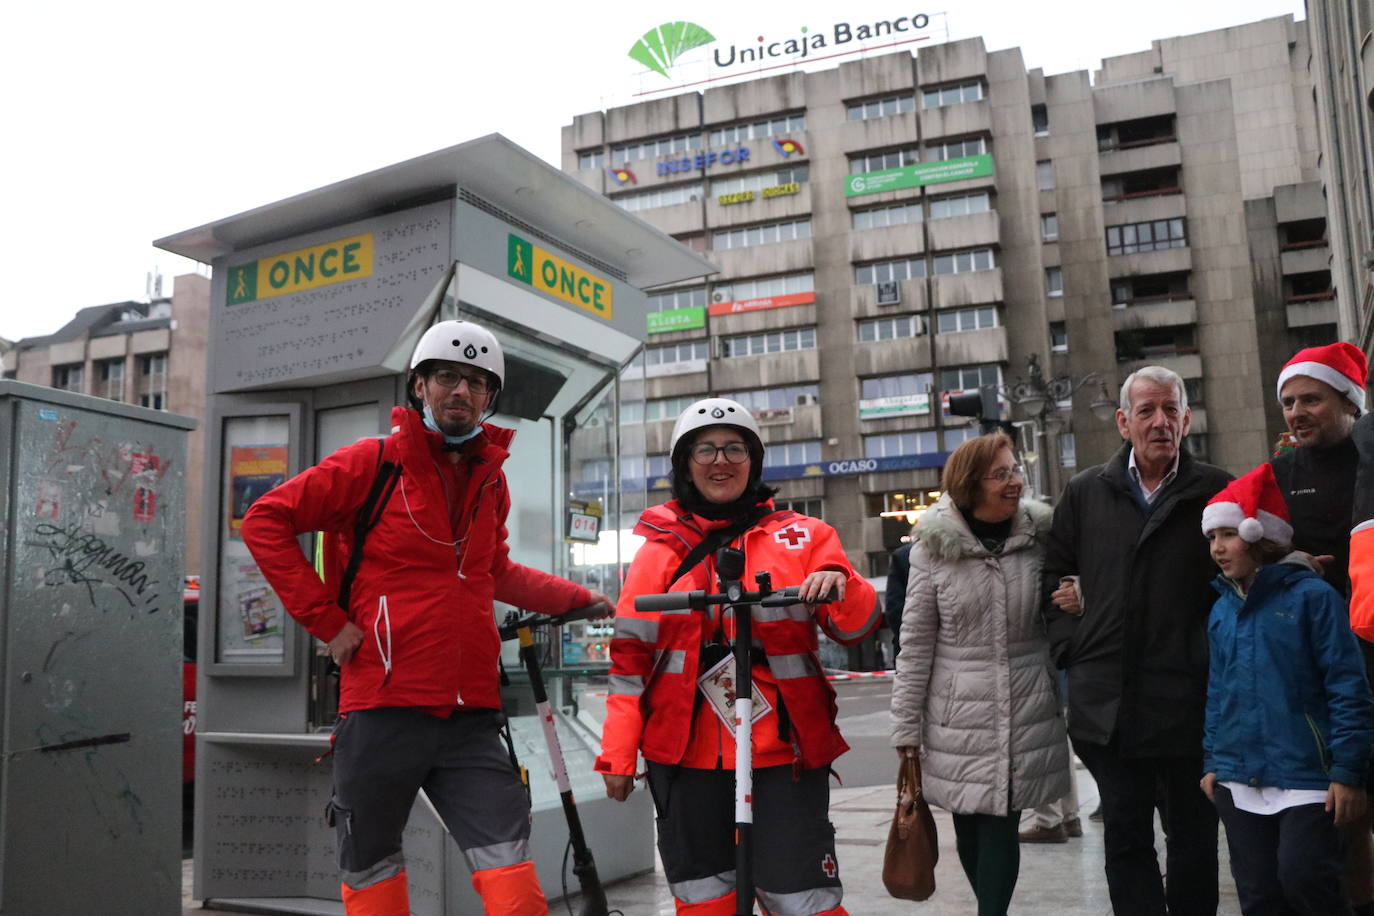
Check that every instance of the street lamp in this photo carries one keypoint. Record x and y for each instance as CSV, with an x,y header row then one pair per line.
x,y
1040,397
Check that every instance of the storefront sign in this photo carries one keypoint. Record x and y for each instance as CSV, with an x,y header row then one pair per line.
x,y
847,467
738,197
766,302
915,176
704,160
897,405
550,274
782,190
691,318
304,268
768,415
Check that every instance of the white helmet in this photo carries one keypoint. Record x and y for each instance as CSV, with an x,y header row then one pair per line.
x,y
462,342
714,412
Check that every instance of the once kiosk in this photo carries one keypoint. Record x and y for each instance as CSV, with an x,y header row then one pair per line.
x,y
317,303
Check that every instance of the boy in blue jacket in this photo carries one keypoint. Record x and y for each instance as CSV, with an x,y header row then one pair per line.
x,y
1290,718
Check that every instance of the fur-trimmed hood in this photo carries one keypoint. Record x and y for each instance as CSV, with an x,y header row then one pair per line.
x,y
946,535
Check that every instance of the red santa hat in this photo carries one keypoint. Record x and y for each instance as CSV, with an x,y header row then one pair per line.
x,y
1253,505
1340,365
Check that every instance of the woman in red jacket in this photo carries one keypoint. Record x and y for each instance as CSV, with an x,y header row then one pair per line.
x,y
661,704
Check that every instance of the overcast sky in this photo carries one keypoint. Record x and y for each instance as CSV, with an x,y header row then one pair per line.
x,y
126,122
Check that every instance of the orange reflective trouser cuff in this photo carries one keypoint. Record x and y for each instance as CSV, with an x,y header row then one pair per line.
x,y
721,906
385,898
511,890
1362,580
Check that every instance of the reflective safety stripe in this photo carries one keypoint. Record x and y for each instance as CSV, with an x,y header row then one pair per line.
x,y
385,898
636,628
786,612
676,663
497,855
802,903
388,867
788,666
627,685
862,629
700,890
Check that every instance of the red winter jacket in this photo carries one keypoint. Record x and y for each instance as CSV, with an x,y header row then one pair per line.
x,y
424,604
655,656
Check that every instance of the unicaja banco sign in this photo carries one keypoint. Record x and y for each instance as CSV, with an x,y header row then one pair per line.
x,y
659,48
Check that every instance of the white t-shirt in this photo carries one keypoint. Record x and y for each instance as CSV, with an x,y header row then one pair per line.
x,y
1269,800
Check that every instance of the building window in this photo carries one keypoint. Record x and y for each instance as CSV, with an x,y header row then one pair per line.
x,y
970,91
1040,120
766,234
969,378
638,467
677,299
1196,444
759,180
755,130
1154,343
784,454
1054,282
960,205
676,359
1153,235
814,507
891,159
893,445
872,330
1059,337
1068,451
962,262
975,319
1049,227
785,285
659,409
891,386
885,271
880,108
757,399
1044,175
152,381
892,215
111,373
956,436
955,149
591,159
769,342
69,378
655,149
659,197
1193,390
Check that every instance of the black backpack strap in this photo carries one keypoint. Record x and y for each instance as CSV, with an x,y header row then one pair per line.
x,y
388,473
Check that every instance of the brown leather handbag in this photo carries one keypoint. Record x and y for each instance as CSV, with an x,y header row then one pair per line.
x,y
913,847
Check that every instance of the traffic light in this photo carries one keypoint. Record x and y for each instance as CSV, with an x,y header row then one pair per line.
x,y
983,405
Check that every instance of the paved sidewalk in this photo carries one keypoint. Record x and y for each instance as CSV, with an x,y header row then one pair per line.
x,y
1056,879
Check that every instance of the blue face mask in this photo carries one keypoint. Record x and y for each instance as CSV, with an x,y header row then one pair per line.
x,y
432,426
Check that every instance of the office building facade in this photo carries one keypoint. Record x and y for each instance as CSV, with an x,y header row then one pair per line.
x,y
905,226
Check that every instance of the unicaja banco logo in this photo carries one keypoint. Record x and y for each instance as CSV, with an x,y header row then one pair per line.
x,y
659,47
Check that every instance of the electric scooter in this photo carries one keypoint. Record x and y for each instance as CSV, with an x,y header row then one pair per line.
x,y
729,569
584,866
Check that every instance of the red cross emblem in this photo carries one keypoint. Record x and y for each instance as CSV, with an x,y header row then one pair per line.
x,y
828,866
792,537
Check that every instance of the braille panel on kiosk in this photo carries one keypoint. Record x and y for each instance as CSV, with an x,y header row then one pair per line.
x,y
318,303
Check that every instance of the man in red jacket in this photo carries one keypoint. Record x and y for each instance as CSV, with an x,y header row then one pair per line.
x,y
414,633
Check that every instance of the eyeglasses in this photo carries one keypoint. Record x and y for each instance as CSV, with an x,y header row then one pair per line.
x,y
1002,475
478,383
705,452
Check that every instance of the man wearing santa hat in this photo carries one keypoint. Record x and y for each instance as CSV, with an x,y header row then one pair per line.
x,y
1321,391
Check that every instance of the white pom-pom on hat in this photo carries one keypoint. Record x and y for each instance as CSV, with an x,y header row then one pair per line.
x,y
1250,530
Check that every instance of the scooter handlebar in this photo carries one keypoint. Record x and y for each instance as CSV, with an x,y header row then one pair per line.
x,y
678,601
671,601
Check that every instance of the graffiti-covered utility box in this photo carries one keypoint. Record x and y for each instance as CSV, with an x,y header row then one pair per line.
x,y
91,557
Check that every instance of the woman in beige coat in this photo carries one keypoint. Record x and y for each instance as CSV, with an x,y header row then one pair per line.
x,y
974,694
